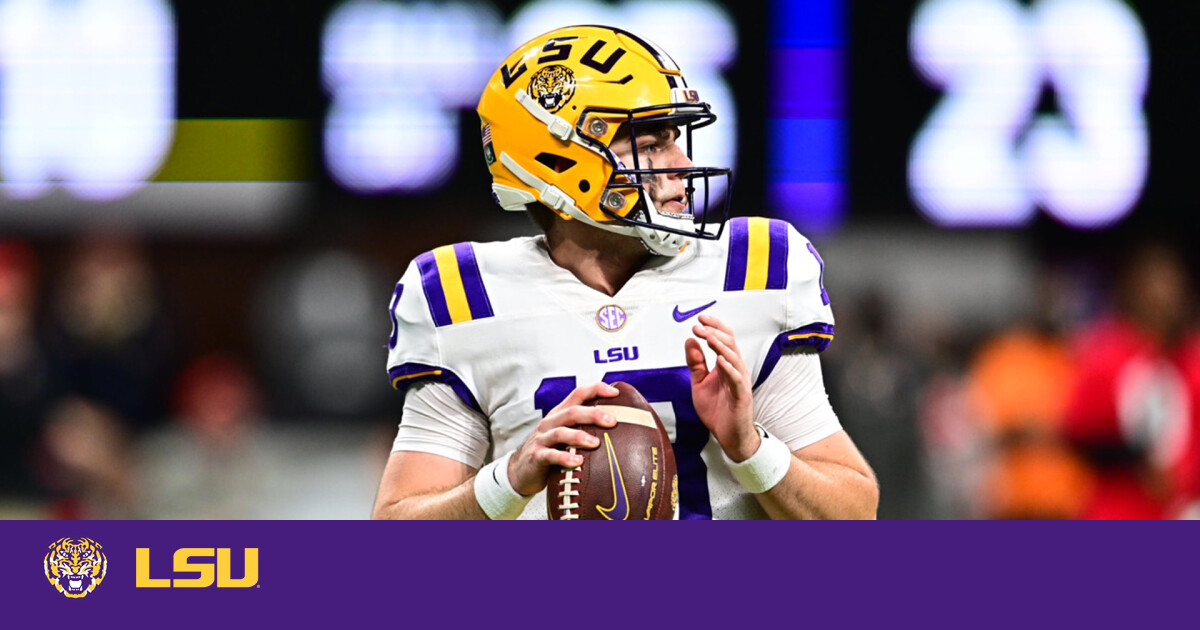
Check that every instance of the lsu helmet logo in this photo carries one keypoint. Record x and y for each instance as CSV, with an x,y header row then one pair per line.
x,y
75,566
552,87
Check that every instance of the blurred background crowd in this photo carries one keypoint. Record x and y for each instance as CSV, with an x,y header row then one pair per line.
x,y
200,333
117,401
1075,398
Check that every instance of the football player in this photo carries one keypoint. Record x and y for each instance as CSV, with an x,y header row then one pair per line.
x,y
716,323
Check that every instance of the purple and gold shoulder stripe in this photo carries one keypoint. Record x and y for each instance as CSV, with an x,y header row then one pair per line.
x,y
758,250
453,285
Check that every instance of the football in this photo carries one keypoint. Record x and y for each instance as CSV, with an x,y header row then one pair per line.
x,y
630,476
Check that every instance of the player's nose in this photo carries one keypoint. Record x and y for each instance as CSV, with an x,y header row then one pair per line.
x,y
678,159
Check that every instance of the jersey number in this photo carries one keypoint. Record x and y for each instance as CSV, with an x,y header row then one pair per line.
x,y
673,385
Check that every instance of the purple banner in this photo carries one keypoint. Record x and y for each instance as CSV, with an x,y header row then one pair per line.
x,y
422,575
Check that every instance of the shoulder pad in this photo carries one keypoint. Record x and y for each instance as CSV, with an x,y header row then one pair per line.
x,y
769,254
757,257
452,285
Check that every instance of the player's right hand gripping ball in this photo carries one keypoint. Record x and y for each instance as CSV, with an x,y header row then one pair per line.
x,y
630,476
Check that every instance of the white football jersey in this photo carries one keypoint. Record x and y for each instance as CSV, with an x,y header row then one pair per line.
x,y
512,333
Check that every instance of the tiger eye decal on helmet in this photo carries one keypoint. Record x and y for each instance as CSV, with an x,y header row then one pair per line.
x,y
552,86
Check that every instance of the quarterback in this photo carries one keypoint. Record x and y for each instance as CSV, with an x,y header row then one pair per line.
x,y
716,321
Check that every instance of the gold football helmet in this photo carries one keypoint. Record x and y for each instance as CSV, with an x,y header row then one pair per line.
x,y
550,112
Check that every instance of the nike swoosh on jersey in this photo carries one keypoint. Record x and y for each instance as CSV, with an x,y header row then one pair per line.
x,y
620,507
682,315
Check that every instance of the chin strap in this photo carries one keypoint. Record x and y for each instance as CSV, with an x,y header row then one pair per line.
x,y
661,243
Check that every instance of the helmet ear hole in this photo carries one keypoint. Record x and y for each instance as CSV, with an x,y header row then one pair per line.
x,y
584,186
556,163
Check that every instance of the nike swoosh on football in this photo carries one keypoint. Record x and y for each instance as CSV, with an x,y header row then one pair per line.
x,y
682,315
620,507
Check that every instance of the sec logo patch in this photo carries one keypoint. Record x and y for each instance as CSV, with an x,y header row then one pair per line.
x,y
611,318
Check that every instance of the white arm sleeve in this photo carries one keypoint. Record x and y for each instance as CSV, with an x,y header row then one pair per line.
x,y
435,420
792,403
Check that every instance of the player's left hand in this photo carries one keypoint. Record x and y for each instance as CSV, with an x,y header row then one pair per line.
x,y
723,396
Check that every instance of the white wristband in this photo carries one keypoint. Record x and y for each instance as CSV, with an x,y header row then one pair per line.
x,y
495,494
765,468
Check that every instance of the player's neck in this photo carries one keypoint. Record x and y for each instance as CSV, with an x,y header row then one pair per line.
x,y
601,260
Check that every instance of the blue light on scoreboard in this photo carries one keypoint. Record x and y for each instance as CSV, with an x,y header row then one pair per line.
x,y
806,115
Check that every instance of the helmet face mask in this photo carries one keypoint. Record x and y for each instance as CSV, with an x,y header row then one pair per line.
x,y
554,110
645,213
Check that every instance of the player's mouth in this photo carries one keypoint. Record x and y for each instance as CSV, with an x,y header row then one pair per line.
x,y
676,205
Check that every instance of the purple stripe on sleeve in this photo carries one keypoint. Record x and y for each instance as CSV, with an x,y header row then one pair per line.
x,y
818,335
392,314
468,268
739,247
431,282
783,342
777,260
450,378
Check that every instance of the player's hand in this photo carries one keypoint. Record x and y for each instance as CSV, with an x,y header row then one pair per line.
x,y
530,465
722,396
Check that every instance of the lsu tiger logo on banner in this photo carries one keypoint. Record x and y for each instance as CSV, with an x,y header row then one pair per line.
x,y
193,560
75,566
